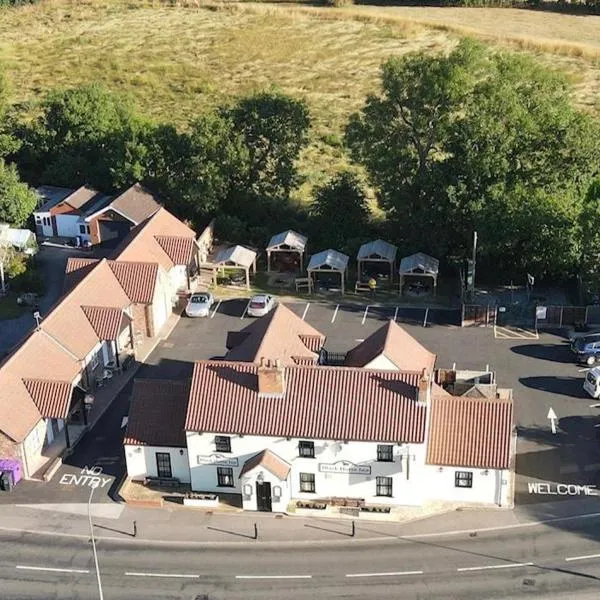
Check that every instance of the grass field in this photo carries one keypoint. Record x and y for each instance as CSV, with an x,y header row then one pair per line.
x,y
176,61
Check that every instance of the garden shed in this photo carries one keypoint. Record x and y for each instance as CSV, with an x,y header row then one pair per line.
x,y
376,252
22,240
419,265
289,243
327,261
236,257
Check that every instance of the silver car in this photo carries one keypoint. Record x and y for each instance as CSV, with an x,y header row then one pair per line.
x,y
259,306
199,304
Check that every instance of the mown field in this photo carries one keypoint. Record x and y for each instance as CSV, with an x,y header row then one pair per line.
x,y
177,60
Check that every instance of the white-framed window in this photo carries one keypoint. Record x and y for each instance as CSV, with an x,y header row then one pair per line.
x,y
385,453
306,449
225,477
222,443
463,479
307,483
95,361
384,486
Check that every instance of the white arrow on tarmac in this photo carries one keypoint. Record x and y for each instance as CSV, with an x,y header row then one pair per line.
x,y
552,416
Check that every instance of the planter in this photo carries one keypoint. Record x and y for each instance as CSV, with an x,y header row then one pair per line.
x,y
375,509
311,505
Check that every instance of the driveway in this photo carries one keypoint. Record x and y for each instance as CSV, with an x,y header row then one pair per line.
x,y
51,263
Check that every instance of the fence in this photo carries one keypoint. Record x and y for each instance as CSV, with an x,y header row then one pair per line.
x,y
477,315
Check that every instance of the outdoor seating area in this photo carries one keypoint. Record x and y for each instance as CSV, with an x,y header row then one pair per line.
x,y
237,258
378,260
418,275
286,252
325,269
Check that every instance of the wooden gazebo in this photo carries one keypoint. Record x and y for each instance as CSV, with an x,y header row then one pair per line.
x,y
379,252
236,257
287,241
419,265
327,261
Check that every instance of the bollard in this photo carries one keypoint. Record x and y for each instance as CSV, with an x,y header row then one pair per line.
x,y
255,532
134,528
353,528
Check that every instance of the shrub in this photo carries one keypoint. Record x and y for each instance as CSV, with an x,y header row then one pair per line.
x,y
338,3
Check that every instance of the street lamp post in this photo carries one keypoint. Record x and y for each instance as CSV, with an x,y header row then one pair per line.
x,y
94,485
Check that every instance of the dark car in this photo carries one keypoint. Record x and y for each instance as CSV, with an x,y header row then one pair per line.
x,y
586,348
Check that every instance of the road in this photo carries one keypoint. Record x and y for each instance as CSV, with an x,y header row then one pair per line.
x,y
545,562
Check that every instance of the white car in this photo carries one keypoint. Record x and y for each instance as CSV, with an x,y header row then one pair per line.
x,y
199,304
259,306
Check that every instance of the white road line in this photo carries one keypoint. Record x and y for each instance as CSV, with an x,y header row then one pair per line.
x,y
52,569
393,574
359,340
395,314
246,309
178,575
365,315
273,576
425,318
488,567
216,309
305,310
572,558
335,313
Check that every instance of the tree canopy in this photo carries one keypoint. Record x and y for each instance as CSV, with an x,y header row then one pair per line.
x,y
479,140
17,199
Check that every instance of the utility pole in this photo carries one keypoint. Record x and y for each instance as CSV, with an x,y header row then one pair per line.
x,y
94,485
474,261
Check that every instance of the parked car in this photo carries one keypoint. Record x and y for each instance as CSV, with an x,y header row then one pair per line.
x,y
591,383
199,305
259,306
586,348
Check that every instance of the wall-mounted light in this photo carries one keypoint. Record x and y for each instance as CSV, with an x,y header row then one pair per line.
x,y
181,452
486,472
260,477
440,469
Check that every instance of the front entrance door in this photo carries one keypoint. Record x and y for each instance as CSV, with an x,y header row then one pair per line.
x,y
163,464
263,496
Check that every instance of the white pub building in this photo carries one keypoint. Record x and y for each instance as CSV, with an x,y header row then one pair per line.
x,y
276,434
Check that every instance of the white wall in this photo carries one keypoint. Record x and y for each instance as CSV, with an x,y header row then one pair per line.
x,y
46,229
406,483
178,278
489,486
67,225
161,302
248,483
141,462
383,363
32,447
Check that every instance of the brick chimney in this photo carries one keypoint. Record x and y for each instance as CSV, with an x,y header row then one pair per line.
x,y
424,392
271,380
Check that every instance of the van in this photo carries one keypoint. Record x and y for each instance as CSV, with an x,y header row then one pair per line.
x,y
591,383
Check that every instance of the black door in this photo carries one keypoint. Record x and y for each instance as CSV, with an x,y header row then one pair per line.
x,y
112,232
163,464
263,496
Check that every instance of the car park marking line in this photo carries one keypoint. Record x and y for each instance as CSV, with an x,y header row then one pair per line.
x,y
365,315
504,333
214,312
305,310
246,309
583,370
335,313
488,567
392,574
273,576
395,314
177,575
51,569
589,556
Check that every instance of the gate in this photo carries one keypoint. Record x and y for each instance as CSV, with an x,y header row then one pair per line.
x,y
563,316
478,315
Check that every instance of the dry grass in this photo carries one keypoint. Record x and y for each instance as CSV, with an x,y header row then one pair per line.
x,y
176,61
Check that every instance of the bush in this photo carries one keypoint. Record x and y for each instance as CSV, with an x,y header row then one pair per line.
x,y
338,3
29,280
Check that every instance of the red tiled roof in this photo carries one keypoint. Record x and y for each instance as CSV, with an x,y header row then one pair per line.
x,y
106,320
76,269
319,402
52,398
470,432
397,345
270,461
157,413
179,249
281,335
138,279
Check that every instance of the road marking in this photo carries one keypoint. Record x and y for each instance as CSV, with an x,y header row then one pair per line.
x,y
359,340
425,318
488,567
305,310
514,333
571,558
179,575
365,315
395,314
216,309
393,574
584,370
273,576
51,569
246,309
335,313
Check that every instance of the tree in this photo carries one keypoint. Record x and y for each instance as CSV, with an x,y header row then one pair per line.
x,y
274,128
17,199
84,135
478,139
589,223
8,143
340,211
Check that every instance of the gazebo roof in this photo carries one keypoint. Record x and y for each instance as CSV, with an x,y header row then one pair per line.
x,y
328,259
419,262
290,238
379,250
238,255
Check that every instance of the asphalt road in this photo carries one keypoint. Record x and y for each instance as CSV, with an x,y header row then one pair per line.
x,y
543,563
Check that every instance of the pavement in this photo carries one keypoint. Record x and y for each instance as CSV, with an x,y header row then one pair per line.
x,y
487,554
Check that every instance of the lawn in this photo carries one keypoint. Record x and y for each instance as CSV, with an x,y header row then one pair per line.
x,y
9,309
176,61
